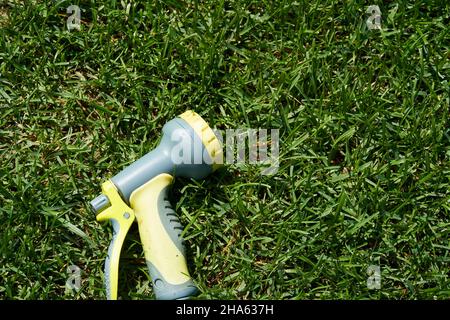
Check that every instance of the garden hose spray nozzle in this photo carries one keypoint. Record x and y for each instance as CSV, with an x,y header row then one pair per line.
x,y
189,148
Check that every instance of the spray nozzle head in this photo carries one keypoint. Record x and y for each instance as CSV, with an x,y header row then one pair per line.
x,y
210,141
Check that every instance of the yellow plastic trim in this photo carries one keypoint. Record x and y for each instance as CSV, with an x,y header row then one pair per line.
x,y
124,216
209,139
158,246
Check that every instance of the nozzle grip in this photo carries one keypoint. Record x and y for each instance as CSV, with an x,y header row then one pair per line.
x,y
160,232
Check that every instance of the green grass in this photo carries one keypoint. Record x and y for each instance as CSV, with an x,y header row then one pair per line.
x,y
364,175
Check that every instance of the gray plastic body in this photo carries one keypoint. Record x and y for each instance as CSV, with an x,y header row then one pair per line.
x,y
165,291
178,138
180,153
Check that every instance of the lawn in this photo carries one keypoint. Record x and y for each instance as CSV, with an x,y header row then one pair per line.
x,y
364,175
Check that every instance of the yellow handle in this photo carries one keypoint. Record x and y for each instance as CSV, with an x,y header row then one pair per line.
x,y
160,233
121,217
